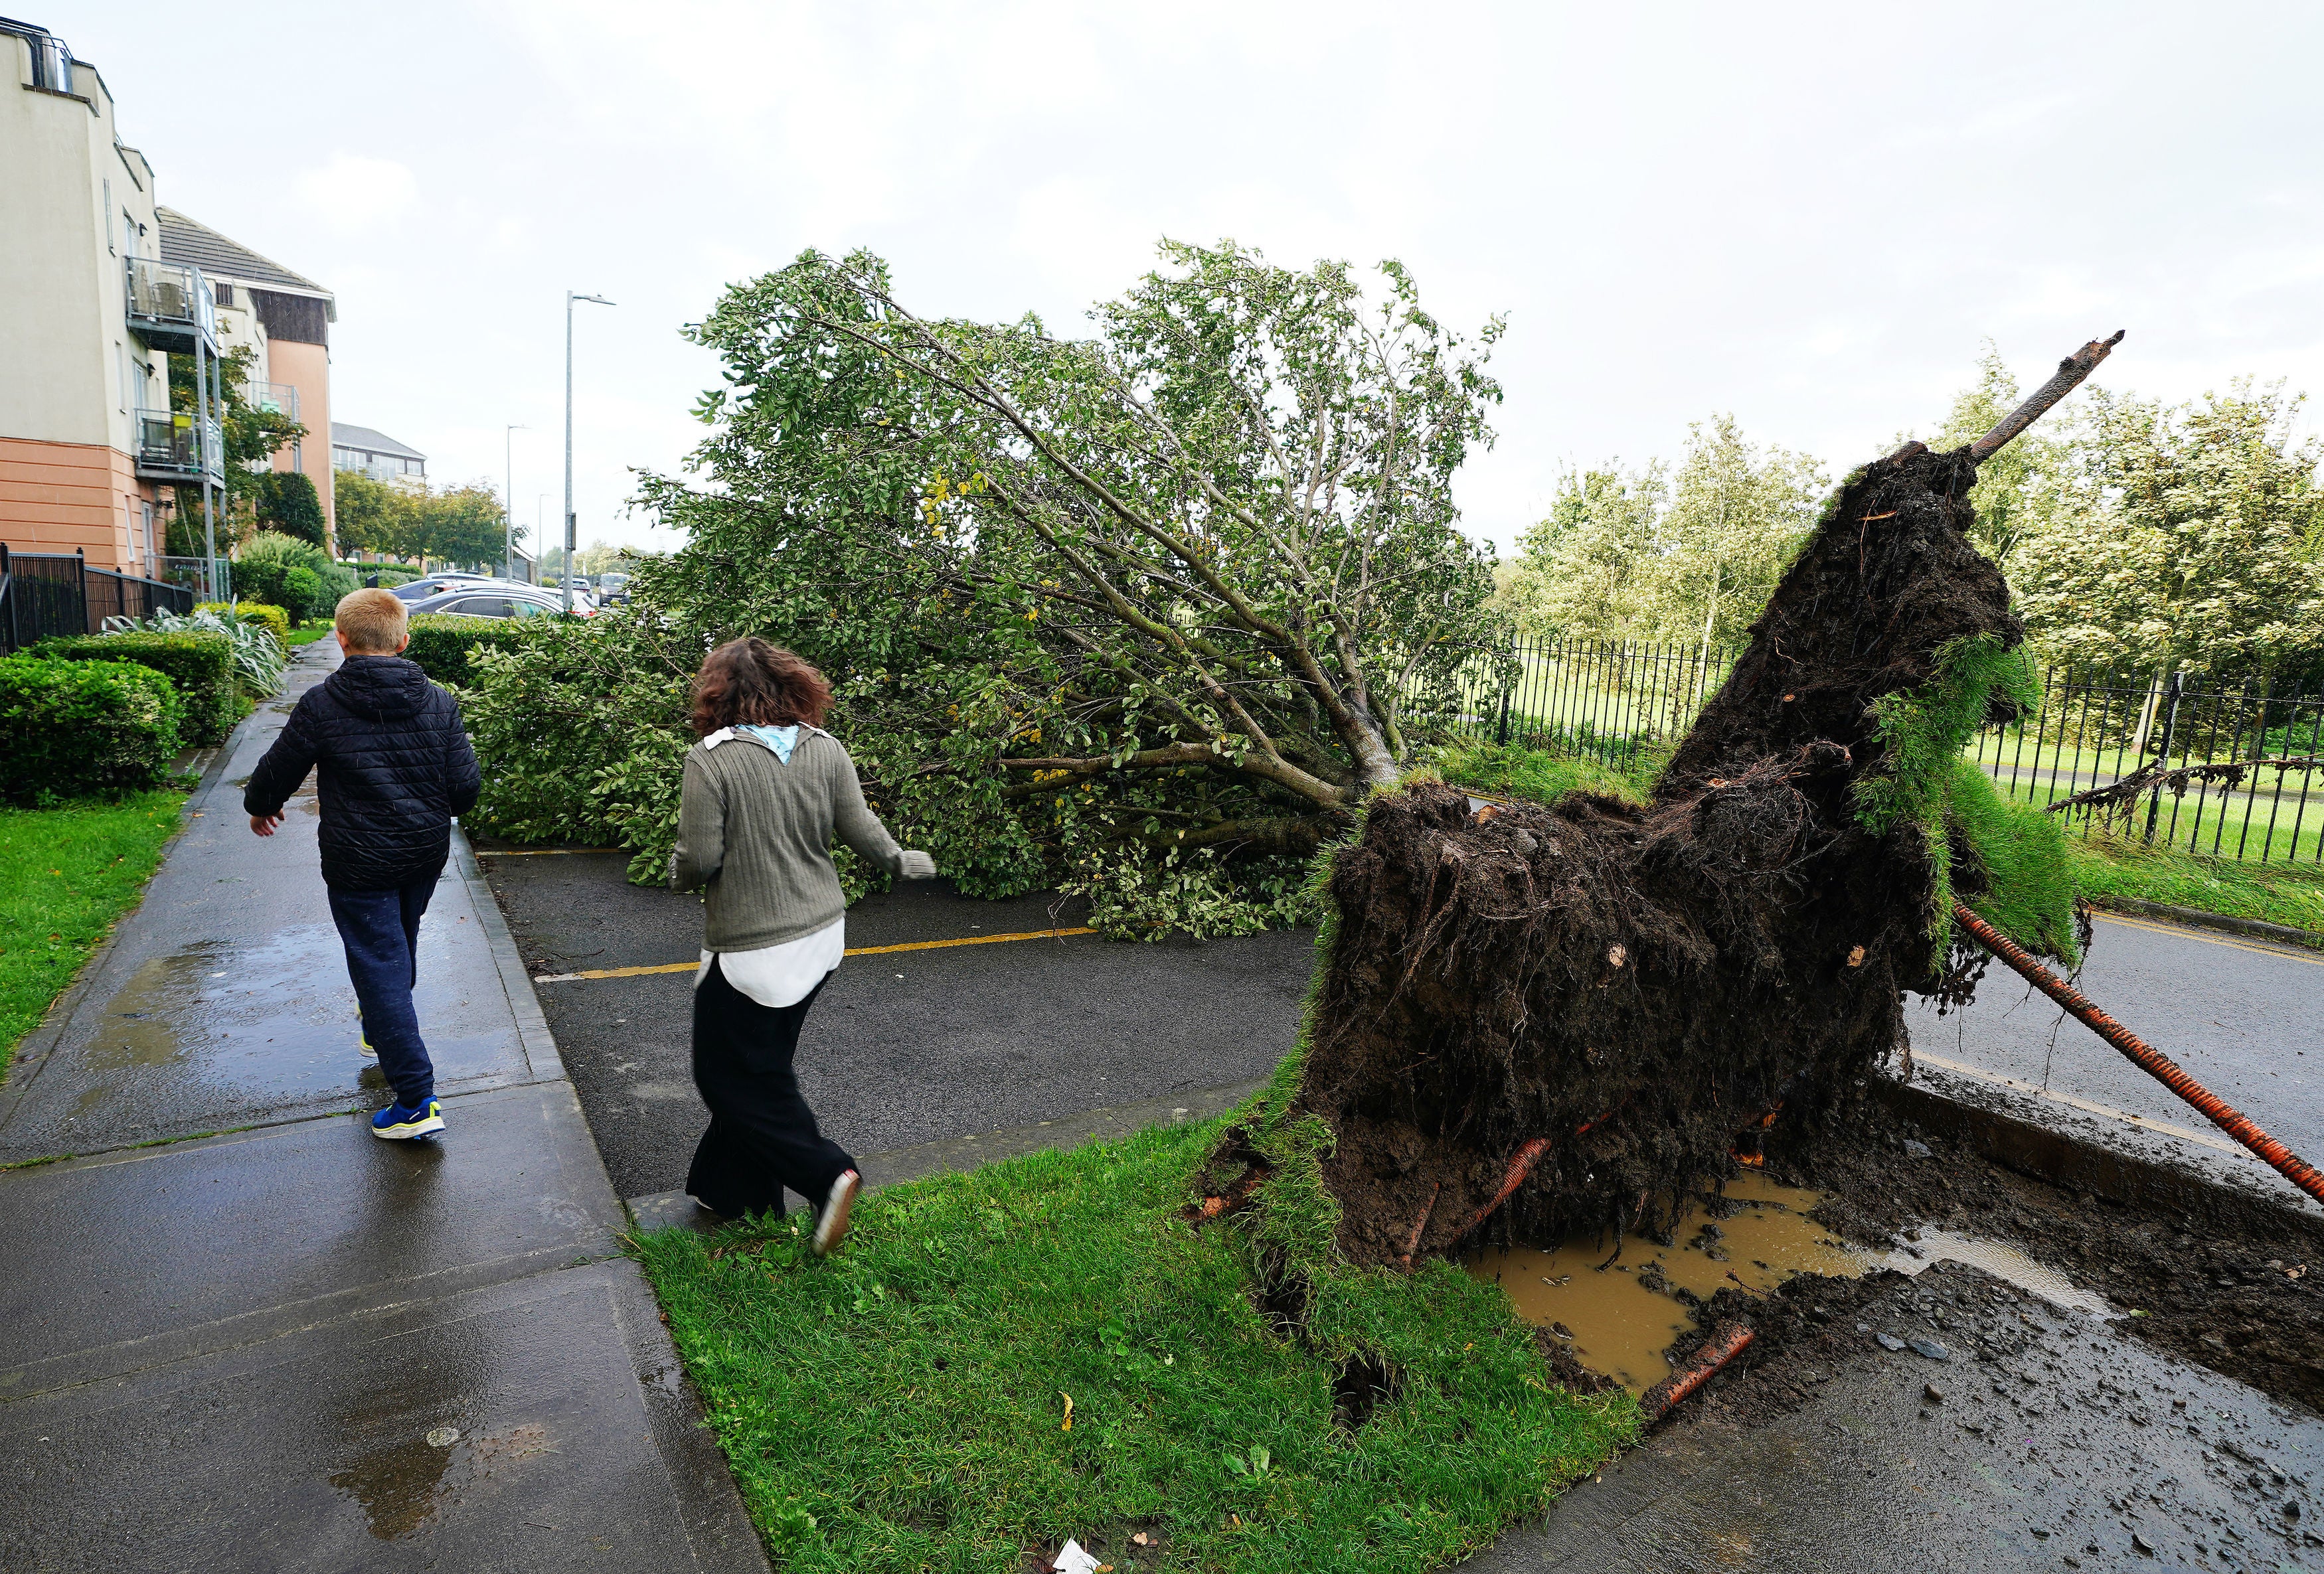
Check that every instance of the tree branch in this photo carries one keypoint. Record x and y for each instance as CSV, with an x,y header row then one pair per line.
x,y
2070,374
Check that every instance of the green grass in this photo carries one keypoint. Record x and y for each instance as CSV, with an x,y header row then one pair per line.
x,y
2110,866
307,633
1540,777
66,875
902,1406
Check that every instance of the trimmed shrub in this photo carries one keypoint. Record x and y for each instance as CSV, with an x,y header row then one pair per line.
x,y
296,576
199,665
70,729
275,621
441,643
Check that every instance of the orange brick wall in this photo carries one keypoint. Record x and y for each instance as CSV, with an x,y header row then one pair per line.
x,y
59,497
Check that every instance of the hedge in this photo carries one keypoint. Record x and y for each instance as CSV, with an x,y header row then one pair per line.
x,y
70,729
199,665
440,642
276,619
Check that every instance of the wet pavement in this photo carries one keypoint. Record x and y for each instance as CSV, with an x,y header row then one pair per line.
x,y
294,1346
226,1003
2051,1441
903,1049
2239,1015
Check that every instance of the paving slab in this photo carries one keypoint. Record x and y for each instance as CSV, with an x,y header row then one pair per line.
x,y
2054,1458
906,1048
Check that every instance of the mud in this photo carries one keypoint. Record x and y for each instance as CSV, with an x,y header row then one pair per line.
x,y
2241,1300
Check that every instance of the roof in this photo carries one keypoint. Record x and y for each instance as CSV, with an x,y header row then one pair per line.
x,y
184,241
344,436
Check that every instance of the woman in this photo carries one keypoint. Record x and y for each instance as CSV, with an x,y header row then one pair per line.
x,y
766,790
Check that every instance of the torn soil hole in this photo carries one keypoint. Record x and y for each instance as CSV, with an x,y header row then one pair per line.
x,y
1363,1384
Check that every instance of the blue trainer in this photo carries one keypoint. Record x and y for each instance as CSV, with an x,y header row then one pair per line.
x,y
395,1121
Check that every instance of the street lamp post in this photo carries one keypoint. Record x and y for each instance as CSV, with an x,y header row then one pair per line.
x,y
565,580
508,501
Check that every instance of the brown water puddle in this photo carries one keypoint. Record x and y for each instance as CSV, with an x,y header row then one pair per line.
x,y
1618,1326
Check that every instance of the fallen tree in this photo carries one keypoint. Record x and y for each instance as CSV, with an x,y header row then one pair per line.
x,y
1545,1017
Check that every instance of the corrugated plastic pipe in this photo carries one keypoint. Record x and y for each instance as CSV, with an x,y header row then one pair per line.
x,y
2152,1061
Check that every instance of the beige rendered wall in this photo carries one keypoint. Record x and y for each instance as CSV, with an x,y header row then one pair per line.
x,y
67,363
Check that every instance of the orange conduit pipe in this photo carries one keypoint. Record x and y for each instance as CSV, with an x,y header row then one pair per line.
x,y
1723,1347
2152,1061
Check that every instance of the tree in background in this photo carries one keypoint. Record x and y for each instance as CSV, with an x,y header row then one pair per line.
x,y
2161,537
1652,554
373,515
289,504
1586,568
2000,499
462,524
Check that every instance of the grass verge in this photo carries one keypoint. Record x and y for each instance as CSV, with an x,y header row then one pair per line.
x,y
66,875
904,1405
1540,777
2111,866
307,633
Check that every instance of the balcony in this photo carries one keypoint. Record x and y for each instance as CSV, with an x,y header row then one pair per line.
x,y
170,449
275,399
171,308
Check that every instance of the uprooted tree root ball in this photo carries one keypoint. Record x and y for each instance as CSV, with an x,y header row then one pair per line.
x,y
1534,1019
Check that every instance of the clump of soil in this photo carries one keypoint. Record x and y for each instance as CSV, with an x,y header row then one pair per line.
x,y
1636,986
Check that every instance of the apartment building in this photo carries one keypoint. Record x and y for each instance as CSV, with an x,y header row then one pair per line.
x,y
378,455
285,318
98,287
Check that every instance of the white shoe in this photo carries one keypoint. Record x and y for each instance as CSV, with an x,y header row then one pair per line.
x,y
831,1224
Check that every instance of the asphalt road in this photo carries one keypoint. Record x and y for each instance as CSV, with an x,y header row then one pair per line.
x,y
2244,1018
905,1048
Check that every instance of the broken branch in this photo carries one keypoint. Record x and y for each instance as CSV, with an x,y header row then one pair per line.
x,y
2069,377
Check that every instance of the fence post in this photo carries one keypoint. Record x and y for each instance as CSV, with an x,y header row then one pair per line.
x,y
1508,680
2170,725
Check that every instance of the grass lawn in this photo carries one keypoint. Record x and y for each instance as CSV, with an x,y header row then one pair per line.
x,y
905,1405
1540,777
307,633
66,875
2276,893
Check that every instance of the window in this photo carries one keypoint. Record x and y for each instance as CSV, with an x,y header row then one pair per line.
x,y
108,223
224,293
415,466
482,606
526,609
128,232
121,371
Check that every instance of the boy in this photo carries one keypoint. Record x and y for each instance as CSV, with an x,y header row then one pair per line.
x,y
395,767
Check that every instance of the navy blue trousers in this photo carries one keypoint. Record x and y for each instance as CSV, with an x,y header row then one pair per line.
x,y
381,930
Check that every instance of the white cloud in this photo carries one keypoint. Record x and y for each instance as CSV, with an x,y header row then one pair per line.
x,y
352,194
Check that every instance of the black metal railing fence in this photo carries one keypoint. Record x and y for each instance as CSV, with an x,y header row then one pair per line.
x,y
2232,767
46,593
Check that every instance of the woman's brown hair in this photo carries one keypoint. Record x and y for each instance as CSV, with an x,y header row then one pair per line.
x,y
751,683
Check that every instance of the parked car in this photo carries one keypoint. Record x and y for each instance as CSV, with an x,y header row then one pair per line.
x,y
429,584
502,599
614,588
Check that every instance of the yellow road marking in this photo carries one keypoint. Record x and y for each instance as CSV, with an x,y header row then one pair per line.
x,y
538,852
2189,931
682,967
2206,1138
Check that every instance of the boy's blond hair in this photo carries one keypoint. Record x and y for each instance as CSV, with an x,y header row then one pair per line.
x,y
373,623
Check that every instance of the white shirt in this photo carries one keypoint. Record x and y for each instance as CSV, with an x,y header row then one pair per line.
x,y
775,976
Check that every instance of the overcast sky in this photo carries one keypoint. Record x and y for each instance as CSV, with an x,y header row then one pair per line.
x,y
1810,215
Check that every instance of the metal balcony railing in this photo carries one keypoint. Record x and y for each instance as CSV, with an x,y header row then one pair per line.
x,y
172,447
52,62
169,305
273,398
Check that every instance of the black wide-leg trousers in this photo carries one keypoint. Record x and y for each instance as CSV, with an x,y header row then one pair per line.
x,y
762,1136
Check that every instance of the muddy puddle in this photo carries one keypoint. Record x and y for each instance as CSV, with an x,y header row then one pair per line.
x,y
1620,1317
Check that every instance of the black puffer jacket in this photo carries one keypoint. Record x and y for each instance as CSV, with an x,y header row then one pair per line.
x,y
395,767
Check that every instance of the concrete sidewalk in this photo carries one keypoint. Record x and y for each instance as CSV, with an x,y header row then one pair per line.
x,y
294,1346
